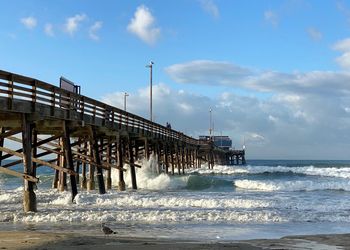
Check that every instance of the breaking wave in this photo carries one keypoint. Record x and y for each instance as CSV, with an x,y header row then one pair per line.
x,y
307,185
341,172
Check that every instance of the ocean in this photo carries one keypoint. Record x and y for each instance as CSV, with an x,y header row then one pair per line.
x,y
264,199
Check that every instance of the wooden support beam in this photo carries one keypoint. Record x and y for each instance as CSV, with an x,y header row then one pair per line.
x,y
14,173
120,150
37,144
9,155
178,163
55,178
183,159
69,158
37,156
146,149
158,155
29,197
77,168
166,152
42,162
104,165
10,133
14,163
49,161
47,140
34,150
62,177
109,171
172,161
202,158
194,158
100,181
132,165
187,158
198,162
83,170
2,131
91,176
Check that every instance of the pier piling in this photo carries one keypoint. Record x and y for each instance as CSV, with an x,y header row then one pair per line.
x,y
69,158
29,199
132,166
120,164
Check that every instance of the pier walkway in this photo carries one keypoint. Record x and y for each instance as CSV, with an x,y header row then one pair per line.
x,y
83,139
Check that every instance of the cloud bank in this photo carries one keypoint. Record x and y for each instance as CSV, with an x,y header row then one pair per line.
x,y
289,124
305,115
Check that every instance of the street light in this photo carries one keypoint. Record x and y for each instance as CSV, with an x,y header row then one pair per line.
x,y
150,66
125,95
210,123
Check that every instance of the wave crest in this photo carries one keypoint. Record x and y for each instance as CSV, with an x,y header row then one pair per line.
x,y
292,185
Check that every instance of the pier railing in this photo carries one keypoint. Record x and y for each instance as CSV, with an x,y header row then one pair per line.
x,y
52,101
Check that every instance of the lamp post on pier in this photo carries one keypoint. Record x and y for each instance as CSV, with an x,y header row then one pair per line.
x,y
210,123
125,95
150,66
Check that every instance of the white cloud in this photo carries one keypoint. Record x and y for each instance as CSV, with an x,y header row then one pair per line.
x,y
176,107
29,22
207,72
314,34
271,17
344,47
48,29
72,23
272,118
143,25
254,137
186,107
93,30
228,74
210,7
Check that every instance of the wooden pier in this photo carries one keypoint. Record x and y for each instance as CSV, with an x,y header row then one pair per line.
x,y
82,139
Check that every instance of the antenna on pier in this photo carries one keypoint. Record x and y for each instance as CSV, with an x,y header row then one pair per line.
x,y
243,143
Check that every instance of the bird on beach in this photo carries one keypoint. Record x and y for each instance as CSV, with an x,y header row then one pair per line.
x,y
106,230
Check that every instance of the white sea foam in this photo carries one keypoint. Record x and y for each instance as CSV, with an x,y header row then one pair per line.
x,y
10,197
175,206
148,178
343,172
136,206
307,185
63,198
220,169
164,201
169,216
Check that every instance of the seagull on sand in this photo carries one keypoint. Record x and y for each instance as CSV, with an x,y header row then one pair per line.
x,y
106,230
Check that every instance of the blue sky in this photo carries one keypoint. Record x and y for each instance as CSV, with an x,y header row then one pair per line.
x,y
275,73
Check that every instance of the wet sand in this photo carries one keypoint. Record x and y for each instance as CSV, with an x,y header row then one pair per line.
x,y
56,240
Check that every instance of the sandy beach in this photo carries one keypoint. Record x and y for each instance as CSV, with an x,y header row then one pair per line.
x,y
56,240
